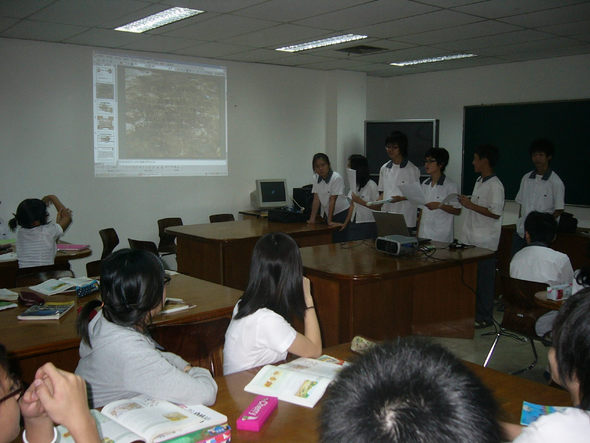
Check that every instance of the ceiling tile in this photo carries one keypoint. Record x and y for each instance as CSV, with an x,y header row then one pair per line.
x,y
289,10
566,29
223,6
6,22
33,30
22,8
488,41
208,49
539,46
566,14
478,29
280,35
503,8
221,27
157,43
104,37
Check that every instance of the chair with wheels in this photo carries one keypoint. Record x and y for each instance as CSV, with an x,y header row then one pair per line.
x,y
110,240
520,315
167,244
217,218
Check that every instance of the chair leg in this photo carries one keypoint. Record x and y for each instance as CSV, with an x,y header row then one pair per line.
x,y
533,364
491,351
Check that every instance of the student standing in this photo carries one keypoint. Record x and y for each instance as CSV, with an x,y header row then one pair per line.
x,y
396,172
482,227
360,221
436,222
540,190
328,195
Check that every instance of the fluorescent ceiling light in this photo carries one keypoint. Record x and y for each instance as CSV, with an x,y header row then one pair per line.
x,y
320,43
160,19
433,59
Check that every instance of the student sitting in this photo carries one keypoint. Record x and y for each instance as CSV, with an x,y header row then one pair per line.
x,y
260,332
408,391
118,359
538,262
54,396
36,237
569,359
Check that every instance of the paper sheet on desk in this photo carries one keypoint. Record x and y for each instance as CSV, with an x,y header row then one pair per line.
x,y
413,192
9,256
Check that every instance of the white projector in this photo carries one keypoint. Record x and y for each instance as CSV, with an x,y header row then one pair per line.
x,y
396,244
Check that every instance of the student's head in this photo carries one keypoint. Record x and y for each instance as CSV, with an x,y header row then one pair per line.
x,y
542,146
30,213
321,164
276,278
9,409
436,156
408,390
396,141
483,153
570,356
540,227
360,164
132,289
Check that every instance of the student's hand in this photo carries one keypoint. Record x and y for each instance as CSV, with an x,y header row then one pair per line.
x,y
38,424
433,205
465,201
49,199
333,224
397,198
30,405
357,199
307,292
312,221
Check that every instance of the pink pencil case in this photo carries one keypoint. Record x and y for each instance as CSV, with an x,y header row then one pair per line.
x,y
257,413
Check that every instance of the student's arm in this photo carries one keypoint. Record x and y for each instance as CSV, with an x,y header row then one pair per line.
x,y
309,344
315,207
450,209
509,430
331,205
466,201
52,199
348,216
557,213
64,215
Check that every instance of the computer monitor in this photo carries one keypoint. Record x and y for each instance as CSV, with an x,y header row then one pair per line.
x,y
270,193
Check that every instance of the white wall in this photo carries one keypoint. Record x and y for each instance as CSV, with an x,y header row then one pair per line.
x,y
278,117
443,95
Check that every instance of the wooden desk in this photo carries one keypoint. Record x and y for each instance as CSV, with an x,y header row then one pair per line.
x,y
221,252
360,291
9,269
32,343
291,423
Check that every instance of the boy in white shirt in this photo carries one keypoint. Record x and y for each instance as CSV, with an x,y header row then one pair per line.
x,y
540,190
482,226
398,171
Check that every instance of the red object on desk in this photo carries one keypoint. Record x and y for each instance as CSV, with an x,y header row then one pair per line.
x,y
70,247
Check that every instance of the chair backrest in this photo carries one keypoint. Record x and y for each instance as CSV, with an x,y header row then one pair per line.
x,y
93,268
201,344
216,218
167,245
110,240
520,310
38,274
145,245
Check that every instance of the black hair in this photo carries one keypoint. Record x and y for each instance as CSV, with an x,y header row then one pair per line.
x,y
541,226
583,277
361,165
409,390
571,340
276,278
4,364
441,155
400,139
542,145
318,156
490,152
29,212
131,286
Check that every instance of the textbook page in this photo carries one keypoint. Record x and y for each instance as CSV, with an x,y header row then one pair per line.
x,y
108,431
324,366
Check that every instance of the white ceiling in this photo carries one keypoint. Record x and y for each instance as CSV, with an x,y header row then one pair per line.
x,y
498,31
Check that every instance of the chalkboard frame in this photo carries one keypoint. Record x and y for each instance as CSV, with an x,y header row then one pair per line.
x,y
513,126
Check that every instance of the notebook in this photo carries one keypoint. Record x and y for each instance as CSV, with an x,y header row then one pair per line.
x,y
394,224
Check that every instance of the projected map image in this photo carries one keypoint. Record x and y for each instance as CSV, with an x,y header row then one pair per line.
x,y
166,114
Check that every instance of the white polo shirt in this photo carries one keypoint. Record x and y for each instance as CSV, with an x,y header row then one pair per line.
x,y
480,230
540,263
333,185
437,224
542,193
36,246
360,213
391,176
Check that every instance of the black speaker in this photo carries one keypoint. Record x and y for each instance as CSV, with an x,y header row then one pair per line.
x,y
303,198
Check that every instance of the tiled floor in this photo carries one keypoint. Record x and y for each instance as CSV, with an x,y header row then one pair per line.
x,y
509,355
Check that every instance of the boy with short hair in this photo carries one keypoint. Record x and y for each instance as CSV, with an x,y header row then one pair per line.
x,y
482,227
540,190
398,171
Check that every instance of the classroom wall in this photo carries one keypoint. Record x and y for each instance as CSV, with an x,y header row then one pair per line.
x,y
443,95
278,117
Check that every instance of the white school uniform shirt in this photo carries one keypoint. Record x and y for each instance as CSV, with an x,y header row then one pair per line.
x,y
36,246
571,425
479,230
538,262
390,177
437,224
360,213
332,185
542,193
261,338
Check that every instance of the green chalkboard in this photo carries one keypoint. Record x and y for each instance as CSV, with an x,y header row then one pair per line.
x,y
512,128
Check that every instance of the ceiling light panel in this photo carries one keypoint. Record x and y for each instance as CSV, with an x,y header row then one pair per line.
x,y
160,19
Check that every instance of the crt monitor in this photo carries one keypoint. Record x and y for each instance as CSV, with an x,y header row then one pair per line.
x,y
270,193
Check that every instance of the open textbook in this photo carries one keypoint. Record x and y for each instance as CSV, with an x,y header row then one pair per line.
x,y
302,381
55,286
143,418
